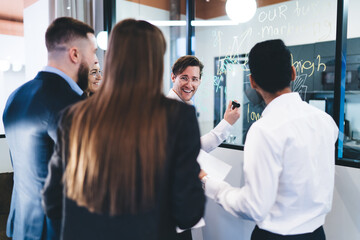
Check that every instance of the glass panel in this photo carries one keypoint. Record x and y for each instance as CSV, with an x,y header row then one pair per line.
x,y
165,14
351,144
307,27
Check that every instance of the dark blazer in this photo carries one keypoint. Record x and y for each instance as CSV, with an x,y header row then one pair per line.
x,y
179,195
30,126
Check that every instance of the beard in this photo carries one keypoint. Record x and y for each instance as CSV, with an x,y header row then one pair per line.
x,y
83,74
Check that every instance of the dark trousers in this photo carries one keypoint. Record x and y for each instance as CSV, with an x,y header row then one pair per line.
x,y
259,234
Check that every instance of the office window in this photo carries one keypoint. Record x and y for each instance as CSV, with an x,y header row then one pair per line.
x,y
349,145
307,27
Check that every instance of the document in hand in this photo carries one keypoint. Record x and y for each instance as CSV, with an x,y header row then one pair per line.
x,y
213,166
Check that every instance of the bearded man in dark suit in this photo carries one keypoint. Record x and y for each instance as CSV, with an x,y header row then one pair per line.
x,y
30,122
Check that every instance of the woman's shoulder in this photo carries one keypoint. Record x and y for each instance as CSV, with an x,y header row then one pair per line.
x,y
179,112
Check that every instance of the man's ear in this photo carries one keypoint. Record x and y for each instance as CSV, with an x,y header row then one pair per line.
x,y
173,77
74,55
293,73
252,82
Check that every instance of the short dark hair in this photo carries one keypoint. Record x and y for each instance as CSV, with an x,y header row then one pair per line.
x,y
185,61
270,65
63,30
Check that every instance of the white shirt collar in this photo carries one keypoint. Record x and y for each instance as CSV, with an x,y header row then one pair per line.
x,y
173,95
280,100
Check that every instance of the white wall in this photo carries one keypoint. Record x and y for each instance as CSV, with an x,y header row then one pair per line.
x,y
36,21
9,81
343,222
12,50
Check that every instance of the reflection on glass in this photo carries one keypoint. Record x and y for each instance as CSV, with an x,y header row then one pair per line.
x,y
307,27
351,143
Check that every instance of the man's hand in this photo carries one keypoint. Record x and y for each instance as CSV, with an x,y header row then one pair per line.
x,y
232,114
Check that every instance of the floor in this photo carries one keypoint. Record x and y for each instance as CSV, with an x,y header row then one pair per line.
x,y
6,185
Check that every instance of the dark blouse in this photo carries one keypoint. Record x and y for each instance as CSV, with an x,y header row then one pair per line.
x,y
180,197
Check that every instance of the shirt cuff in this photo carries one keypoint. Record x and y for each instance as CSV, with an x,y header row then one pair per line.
x,y
224,128
213,186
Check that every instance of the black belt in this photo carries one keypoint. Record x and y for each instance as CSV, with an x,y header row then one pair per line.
x,y
260,234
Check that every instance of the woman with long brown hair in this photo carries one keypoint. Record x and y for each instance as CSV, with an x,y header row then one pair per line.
x,y
126,157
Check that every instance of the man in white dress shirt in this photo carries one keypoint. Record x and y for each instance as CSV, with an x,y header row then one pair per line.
x,y
289,157
186,76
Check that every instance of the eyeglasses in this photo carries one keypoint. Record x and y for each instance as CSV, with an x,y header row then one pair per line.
x,y
186,79
96,73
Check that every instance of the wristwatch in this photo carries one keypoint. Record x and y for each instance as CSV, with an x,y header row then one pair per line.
x,y
203,181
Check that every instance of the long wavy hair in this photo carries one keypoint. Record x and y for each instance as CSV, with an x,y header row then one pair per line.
x,y
117,138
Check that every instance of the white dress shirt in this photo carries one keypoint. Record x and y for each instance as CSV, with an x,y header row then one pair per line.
x,y
216,136
289,161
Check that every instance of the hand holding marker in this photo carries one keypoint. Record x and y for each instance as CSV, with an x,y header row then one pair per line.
x,y
235,105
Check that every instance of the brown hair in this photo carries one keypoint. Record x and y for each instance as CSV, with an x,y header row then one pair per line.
x,y
185,61
64,30
117,139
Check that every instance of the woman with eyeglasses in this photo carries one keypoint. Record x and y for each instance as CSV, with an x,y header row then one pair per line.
x,y
125,158
94,80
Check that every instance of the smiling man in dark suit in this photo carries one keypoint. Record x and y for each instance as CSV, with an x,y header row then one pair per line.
x,y
30,122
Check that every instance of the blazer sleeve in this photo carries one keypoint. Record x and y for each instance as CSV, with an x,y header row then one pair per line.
x,y
188,199
52,193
